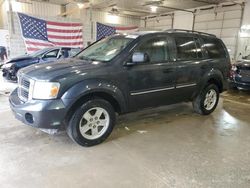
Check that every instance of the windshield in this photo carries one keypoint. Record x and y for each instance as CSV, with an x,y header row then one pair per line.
x,y
105,49
38,53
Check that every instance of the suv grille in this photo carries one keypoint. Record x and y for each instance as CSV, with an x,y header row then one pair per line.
x,y
24,86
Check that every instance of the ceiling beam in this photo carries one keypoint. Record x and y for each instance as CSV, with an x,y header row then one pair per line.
x,y
173,8
206,2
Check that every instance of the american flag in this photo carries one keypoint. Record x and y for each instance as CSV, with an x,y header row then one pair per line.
x,y
103,30
39,34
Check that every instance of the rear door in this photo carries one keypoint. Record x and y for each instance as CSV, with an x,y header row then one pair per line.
x,y
190,64
152,83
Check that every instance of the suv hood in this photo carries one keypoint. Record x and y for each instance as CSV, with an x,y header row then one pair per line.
x,y
54,71
20,58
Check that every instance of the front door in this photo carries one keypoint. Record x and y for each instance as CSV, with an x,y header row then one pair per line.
x,y
152,83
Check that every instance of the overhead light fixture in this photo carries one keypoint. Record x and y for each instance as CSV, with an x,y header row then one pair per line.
x,y
153,8
80,5
112,18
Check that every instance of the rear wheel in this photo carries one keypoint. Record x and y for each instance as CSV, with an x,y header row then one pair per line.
x,y
92,123
206,102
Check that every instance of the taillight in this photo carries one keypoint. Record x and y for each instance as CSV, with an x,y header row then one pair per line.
x,y
233,70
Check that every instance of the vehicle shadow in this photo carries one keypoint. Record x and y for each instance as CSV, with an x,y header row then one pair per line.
x,y
145,120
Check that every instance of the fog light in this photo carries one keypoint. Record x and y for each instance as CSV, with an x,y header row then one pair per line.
x,y
29,118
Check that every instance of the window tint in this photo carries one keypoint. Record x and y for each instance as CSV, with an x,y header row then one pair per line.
x,y
52,54
186,48
74,51
214,48
156,49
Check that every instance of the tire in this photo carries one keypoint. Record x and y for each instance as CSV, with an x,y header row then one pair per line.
x,y
201,106
87,125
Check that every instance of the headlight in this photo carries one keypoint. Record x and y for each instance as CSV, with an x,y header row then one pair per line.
x,y
8,65
45,90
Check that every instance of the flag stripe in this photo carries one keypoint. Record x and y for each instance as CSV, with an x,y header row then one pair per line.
x,y
64,37
71,35
30,49
78,28
64,30
63,40
63,24
126,28
126,31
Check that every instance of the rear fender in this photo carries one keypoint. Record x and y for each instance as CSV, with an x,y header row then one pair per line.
x,y
213,74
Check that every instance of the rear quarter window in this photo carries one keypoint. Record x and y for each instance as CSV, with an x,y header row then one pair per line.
x,y
214,48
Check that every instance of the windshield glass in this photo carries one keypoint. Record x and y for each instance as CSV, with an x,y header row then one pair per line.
x,y
38,53
105,49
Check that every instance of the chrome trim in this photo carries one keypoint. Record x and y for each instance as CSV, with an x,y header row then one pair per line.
x,y
151,91
21,87
186,85
31,89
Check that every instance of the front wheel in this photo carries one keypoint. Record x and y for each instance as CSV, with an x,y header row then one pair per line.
x,y
92,123
206,102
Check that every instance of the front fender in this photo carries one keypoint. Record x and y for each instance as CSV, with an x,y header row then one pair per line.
x,y
87,87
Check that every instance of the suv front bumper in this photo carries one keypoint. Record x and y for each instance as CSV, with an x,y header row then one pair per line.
x,y
240,85
44,114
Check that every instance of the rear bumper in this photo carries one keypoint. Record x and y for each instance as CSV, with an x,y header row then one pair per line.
x,y
45,114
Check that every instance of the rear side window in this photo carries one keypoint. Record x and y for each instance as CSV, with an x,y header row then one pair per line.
x,y
186,48
214,48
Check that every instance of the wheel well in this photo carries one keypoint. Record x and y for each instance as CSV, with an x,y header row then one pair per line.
x,y
217,82
90,96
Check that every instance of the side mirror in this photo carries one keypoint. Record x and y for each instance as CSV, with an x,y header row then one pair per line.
x,y
139,57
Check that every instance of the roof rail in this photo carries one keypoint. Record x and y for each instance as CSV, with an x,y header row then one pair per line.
x,y
189,31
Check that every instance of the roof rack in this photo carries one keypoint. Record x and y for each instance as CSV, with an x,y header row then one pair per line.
x,y
189,31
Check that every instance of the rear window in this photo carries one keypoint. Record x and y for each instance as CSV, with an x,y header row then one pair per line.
x,y
214,48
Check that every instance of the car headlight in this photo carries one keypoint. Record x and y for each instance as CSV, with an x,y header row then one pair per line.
x,y
45,90
7,65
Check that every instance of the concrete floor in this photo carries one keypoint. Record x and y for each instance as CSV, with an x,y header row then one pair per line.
x,y
163,147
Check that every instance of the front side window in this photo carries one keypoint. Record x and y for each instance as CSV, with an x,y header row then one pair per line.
x,y
51,54
186,48
155,48
105,49
74,51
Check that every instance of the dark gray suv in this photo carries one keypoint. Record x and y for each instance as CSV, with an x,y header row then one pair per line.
x,y
121,74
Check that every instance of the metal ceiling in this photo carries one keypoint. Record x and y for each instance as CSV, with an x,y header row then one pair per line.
x,y
141,7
